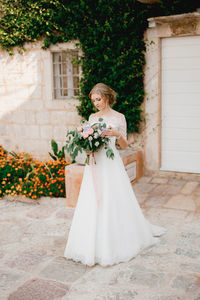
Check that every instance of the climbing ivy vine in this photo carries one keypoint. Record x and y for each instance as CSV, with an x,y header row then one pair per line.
x,y
110,33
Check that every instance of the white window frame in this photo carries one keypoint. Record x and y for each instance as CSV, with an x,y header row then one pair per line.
x,y
47,76
63,76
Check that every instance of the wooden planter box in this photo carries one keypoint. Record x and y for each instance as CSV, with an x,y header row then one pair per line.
x,y
133,162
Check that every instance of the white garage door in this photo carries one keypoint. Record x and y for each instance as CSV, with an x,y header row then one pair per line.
x,y
180,100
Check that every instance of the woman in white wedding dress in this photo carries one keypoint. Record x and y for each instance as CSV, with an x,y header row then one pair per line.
x,y
108,226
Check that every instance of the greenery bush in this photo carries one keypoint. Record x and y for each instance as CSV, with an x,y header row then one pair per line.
x,y
110,34
20,174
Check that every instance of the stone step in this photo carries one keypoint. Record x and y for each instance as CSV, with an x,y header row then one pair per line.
x,y
133,162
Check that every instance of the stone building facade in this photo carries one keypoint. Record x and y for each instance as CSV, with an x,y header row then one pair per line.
x,y
30,116
172,103
33,110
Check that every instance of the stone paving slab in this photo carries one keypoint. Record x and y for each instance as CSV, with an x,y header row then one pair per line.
x,y
34,235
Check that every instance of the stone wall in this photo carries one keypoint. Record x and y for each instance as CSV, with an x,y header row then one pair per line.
x,y
29,117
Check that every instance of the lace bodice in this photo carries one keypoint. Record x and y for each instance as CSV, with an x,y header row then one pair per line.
x,y
117,122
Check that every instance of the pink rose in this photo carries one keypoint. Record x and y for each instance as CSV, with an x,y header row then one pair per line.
x,y
85,135
79,129
90,131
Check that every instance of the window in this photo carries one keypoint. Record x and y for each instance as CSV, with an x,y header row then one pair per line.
x,y
66,74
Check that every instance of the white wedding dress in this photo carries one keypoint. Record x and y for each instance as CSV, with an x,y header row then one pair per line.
x,y
108,225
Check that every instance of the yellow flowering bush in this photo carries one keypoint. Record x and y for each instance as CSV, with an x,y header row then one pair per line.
x,y
20,174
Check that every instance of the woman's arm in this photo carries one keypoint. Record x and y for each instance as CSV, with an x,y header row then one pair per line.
x,y
120,139
120,133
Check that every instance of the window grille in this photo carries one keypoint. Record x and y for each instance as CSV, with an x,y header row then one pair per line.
x,y
66,74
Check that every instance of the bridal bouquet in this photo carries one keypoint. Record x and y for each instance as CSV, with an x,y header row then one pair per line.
x,y
88,138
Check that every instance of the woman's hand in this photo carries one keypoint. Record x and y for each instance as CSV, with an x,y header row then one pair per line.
x,y
89,152
110,132
120,139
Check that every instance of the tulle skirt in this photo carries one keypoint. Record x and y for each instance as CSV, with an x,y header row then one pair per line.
x,y
108,225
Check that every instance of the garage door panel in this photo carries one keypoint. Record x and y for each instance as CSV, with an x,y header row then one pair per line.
x,y
181,145
180,42
181,87
182,161
170,122
176,63
185,76
180,106
180,133
184,111
181,99
183,52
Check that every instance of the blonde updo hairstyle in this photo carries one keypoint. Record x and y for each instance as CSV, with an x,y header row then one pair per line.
x,y
105,91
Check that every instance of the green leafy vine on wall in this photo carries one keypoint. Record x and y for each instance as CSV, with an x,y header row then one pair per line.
x,y
110,34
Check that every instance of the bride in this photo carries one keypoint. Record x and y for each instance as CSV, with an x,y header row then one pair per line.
x,y
108,226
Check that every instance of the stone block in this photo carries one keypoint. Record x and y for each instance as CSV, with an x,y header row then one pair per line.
x,y
181,202
142,276
42,117
30,78
8,279
46,132
30,117
176,181
26,105
27,259
131,170
184,282
64,118
40,289
197,190
21,92
35,92
144,187
3,129
156,200
159,180
17,130
37,105
61,269
164,189
19,117
32,131
129,156
189,187
40,212
36,146
59,133
145,179
73,180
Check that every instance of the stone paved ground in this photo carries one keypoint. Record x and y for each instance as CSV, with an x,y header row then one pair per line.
x,y
33,237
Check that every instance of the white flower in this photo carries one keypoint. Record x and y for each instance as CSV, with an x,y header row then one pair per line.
x,y
90,138
97,144
96,135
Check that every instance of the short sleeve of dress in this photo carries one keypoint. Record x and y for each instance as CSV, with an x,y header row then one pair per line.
x,y
123,127
90,117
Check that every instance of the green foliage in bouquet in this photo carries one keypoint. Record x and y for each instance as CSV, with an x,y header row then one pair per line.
x,y
88,138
